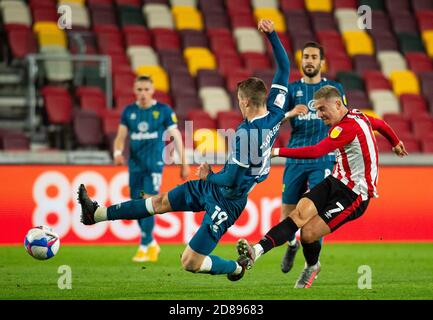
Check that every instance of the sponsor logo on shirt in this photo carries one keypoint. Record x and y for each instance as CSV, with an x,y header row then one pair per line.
x,y
299,93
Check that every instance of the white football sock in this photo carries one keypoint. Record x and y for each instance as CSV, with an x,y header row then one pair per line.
x,y
258,249
149,206
100,214
206,265
238,269
293,242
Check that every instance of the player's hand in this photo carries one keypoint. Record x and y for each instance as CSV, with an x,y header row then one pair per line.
x,y
203,171
185,170
400,150
265,25
119,160
298,110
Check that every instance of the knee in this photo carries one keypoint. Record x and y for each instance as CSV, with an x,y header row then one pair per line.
x,y
308,235
190,263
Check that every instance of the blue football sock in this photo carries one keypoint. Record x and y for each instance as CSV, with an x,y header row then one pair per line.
x,y
129,210
222,266
146,226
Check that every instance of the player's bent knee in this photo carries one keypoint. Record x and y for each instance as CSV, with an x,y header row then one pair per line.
x,y
309,235
190,263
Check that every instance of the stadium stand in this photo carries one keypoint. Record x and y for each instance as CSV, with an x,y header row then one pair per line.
x,y
197,51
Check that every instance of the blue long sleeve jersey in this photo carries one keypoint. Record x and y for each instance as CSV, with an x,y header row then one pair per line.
x,y
250,153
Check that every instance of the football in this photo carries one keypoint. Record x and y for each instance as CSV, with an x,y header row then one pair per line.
x,y
42,243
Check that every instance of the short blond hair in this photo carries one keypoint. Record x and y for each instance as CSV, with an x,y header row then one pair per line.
x,y
327,92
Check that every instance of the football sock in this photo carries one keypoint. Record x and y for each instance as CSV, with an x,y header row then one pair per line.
x,y
100,214
222,266
292,242
146,226
130,210
311,252
206,265
279,234
258,250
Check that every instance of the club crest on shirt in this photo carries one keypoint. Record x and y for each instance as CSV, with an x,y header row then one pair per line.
x,y
299,93
155,114
143,126
335,132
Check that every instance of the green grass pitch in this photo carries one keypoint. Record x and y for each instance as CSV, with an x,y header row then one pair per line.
x,y
398,271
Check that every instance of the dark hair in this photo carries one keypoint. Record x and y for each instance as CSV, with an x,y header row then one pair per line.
x,y
144,78
313,44
253,89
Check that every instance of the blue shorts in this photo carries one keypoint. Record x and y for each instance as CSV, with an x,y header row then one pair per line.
x,y
300,177
147,181
221,213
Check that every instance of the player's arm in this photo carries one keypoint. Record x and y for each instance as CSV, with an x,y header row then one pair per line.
x,y
341,137
385,130
119,144
180,149
231,177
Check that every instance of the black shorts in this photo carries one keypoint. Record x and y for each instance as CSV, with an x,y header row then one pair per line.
x,y
336,203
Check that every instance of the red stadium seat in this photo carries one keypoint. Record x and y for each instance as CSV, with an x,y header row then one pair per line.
x,y
412,103
228,63
165,39
422,127
375,80
58,108
397,122
22,42
238,7
136,36
163,97
110,121
121,101
45,14
345,4
11,140
256,61
201,120
87,128
425,20
289,5
123,83
234,77
427,145
243,20
419,62
95,103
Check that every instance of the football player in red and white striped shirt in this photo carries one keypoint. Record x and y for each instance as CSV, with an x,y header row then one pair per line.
x,y
342,196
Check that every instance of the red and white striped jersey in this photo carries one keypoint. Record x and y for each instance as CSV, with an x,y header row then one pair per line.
x,y
355,149
357,157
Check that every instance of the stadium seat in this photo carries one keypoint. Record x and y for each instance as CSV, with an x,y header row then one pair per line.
x,y
16,13
427,145
201,119
217,21
255,61
258,4
397,122
391,61
193,38
271,13
136,36
187,18
45,14
412,105
209,78
80,16
357,99
214,100
87,128
58,108
22,42
123,100
410,42
208,141
95,103
385,42
419,5
49,34
350,80
364,63
60,68
199,58
249,40
110,121
165,39
323,21
318,5
403,22
158,75
425,19
358,42
375,80
158,16
130,16
123,83
185,103
384,101
235,76
228,63
404,82
292,5
427,37
418,62
347,20
345,4
422,128
142,56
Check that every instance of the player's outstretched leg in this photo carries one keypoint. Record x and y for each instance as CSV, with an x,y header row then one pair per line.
x,y
308,275
88,207
289,256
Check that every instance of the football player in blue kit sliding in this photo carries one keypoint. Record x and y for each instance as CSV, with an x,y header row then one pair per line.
x,y
222,195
